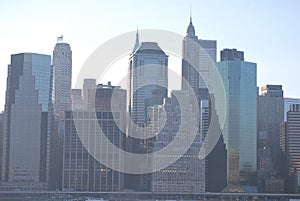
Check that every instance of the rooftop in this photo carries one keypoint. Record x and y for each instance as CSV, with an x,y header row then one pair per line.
x,y
149,48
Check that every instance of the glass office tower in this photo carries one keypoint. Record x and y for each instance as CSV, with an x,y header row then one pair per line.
x,y
239,78
147,86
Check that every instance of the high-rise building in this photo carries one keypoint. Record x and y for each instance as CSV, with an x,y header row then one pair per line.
x,y
197,55
62,65
187,174
190,59
270,115
148,80
290,143
147,86
287,103
26,138
62,81
239,79
81,170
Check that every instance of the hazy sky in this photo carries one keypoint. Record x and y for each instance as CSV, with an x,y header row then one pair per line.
x,y
268,31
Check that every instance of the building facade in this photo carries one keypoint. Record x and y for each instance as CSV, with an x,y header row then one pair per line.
x,y
82,170
187,174
26,153
287,103
62,65
62,82
239,79
147,86
270,115
77,100
148,80
197,54
290,133
89,90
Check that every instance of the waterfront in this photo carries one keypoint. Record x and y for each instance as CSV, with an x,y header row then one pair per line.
x,y
135,196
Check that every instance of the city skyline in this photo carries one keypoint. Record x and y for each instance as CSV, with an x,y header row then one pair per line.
x,y
230,123
263,31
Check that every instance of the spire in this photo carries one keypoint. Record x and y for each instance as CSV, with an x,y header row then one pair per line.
x,y
190,13
137,41
190,30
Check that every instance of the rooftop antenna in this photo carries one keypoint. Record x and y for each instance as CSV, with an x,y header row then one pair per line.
x,y
60,39
190,11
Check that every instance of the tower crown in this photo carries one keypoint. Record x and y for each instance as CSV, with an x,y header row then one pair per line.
x,y
137,41
190,30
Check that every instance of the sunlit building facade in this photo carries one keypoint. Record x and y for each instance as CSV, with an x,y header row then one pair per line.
x,y
62,65
239,79
198,55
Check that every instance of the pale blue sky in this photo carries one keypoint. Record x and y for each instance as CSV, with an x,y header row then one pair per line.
x,y
267,31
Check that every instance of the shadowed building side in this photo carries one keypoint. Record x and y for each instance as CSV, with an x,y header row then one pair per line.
x,y
27,119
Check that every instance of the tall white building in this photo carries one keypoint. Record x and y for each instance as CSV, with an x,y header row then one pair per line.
x,y
62,81
198,54
62,64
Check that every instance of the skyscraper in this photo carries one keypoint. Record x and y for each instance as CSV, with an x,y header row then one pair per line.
x,y
239,79
270,115
148,80
62,64
147,86
197,56
190,59
81,170
290,143
62,76
26,138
